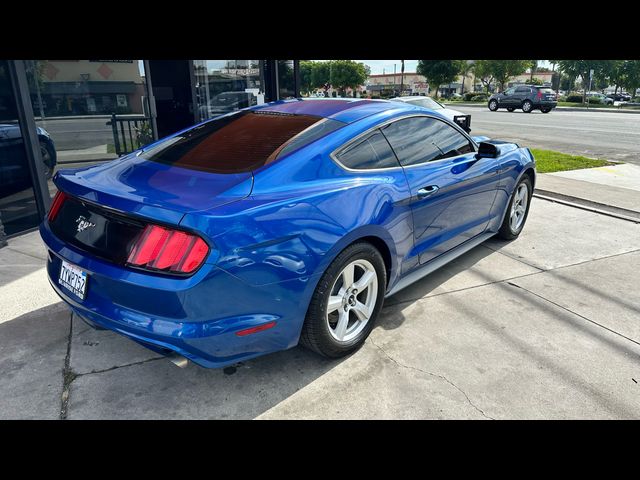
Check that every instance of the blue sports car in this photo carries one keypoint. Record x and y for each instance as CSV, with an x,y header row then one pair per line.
x,y
279,224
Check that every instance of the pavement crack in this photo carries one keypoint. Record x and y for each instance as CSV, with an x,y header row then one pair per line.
x,y
119,366
441,377
68,376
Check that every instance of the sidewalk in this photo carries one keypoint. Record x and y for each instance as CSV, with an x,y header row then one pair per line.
x,y
545,326
612,188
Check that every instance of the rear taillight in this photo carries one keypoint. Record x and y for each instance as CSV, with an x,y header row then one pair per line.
x,y
58,200
539,94
168,250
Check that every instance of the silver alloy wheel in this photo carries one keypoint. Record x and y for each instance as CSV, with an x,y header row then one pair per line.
x,y
526,106
352,300
493,105
519,207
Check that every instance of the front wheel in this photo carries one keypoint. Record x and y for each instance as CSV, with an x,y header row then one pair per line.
x,y
527,106
346,302
517,211
493,105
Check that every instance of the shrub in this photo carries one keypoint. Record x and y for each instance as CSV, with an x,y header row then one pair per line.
x,y
574,97
479,98
595,101
469,95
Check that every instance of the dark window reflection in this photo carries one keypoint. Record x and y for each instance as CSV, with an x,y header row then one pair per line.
x,y
286,82
18,210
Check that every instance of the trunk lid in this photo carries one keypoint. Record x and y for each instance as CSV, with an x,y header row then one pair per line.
x,y
152,189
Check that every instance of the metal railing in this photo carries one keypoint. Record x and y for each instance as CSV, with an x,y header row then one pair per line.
x,y
130,137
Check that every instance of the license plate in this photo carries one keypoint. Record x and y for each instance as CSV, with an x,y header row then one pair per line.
x,y
73,279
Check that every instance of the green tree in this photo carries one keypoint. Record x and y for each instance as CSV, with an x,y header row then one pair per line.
x,y
581,68
306,73
321,75
438,72
533,68
503,70
347,74
631,76
482,71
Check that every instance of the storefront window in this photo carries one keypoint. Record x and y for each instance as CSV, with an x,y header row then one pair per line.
x,y
223,86
18,209
73,101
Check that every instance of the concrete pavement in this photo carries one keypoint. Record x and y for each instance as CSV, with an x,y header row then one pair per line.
x,y
546,326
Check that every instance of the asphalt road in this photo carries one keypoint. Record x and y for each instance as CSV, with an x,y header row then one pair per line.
x,y
78,133
611,136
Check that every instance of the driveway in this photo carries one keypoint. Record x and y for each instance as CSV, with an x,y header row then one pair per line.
x,y
547,326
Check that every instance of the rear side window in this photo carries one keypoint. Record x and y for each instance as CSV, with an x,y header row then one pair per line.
x,y
523,90
372,152
423,139
239,142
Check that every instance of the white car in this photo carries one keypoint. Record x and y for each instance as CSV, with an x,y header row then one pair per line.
x,y
459,118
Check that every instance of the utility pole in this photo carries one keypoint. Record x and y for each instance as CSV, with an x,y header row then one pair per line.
x,y
401,77
395,82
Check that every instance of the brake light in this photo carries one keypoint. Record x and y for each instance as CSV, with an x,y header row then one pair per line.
x,y
58,200
539,93
168,250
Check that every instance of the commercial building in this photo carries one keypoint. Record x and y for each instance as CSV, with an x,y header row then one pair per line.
x,y
73,113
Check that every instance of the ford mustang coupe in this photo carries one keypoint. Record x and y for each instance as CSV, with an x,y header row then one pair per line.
x,y
279,224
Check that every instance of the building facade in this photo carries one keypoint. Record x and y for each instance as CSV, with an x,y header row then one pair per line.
x,y
74,113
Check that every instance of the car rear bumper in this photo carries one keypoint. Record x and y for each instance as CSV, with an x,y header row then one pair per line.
x,y
198,317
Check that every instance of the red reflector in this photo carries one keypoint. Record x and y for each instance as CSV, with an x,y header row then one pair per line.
x,y
169,250
58,200
259,328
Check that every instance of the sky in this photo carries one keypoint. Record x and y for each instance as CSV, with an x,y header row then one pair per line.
x,y
377,66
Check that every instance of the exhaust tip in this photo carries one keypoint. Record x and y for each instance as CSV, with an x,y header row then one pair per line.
x,y
178,360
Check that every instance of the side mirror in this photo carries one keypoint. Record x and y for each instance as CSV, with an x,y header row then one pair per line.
x,y
487,150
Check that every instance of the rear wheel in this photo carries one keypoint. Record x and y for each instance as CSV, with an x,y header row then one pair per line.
x,y
346,302
493,105
517,211
47,159
545,110
527,106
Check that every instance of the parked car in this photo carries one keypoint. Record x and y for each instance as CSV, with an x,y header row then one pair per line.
x,y
461,119
526,97
282,223
226,102
619,97
14,170
601,97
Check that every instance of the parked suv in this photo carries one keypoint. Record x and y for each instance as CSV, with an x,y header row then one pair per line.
x,y
619,97
526,97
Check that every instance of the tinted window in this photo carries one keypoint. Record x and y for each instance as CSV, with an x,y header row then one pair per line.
x,y
523,90
372,152
311,134
509,91
238,142
423,139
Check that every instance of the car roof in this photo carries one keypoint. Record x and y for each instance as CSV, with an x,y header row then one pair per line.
x,y
344,109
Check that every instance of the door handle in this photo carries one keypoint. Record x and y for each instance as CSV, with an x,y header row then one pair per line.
x,y
426,191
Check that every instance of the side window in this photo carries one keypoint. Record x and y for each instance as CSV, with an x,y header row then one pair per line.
x,y
509,91
423,139
372,152
523,90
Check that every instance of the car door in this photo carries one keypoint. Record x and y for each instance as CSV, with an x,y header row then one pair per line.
x,y
508,98
521,94
452,191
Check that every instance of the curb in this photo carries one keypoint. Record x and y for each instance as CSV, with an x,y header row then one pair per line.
x,y
582,204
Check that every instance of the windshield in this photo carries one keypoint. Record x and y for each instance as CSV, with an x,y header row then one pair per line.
x,y
241,141
426,102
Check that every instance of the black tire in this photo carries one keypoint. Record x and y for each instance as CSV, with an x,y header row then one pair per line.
x,y
545,110
493,105
527,106
506,232
510,109
47,159
315,331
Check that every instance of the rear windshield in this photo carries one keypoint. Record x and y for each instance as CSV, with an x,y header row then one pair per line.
x,y
546,90
241,141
